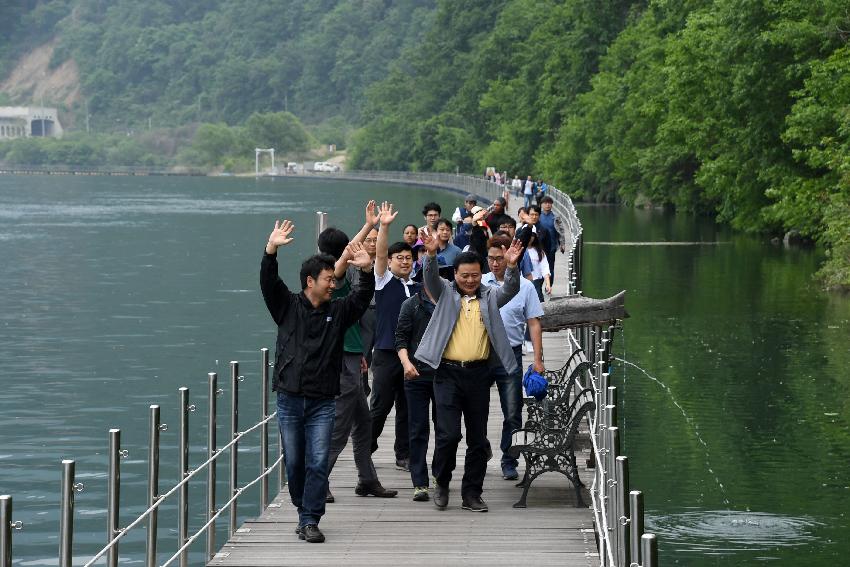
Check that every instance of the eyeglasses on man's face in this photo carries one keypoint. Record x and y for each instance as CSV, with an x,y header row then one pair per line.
x,y
495,259
403,259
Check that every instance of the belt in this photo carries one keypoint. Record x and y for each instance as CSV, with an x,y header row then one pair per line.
x,y
463,363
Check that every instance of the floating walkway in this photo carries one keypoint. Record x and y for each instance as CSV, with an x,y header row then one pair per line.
x,y
398,531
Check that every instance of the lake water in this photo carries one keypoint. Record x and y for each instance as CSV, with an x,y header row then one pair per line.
x,y
119,290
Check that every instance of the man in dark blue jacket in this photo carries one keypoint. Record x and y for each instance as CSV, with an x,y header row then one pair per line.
x,y
308,362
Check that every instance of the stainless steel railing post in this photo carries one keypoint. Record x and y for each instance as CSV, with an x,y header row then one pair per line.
x,y
635,525
66,514
649,550
234,431
5,531
611,488
113,495
153,485
211,451
183,468
264,429
597,343
321,224
604,392
621,477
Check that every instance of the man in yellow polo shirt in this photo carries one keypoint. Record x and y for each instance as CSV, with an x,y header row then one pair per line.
x,y
464,340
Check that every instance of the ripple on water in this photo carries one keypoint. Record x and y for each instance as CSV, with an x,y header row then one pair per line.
x,y
725,532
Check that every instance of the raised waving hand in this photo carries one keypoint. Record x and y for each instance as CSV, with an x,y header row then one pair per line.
x,y
280,235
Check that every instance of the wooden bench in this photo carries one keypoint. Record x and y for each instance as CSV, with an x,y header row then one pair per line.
x,y
547,441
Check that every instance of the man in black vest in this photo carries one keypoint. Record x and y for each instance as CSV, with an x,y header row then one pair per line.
x,y
393,285
308,362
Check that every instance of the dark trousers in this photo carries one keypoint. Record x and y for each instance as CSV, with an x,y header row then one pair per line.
x,y
353,418
420,396
388,389
538,286
462,392
550,255
510,397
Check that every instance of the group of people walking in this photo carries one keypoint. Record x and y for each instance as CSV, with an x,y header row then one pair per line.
x,y
437,317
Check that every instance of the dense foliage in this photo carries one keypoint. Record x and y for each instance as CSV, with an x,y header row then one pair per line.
x,y
733,108
736,108
209,145
176,61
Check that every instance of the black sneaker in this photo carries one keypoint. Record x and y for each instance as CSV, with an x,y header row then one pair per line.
x,y
441,497
474,504
312,534
299,531
403,464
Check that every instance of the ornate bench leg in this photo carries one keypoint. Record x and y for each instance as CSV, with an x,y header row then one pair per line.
x,y
524,480
521,502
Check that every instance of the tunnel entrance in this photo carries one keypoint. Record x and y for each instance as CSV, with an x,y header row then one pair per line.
x,y
41,128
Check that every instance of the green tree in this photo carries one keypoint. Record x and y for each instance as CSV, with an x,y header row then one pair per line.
x,y
279,130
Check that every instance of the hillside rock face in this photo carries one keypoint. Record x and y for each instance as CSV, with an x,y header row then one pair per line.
x,y
32,81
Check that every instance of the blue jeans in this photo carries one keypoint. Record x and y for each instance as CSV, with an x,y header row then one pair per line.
x,y
306,425
510,396
420,396
527,200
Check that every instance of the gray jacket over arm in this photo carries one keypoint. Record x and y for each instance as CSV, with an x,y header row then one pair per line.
x,y
446,312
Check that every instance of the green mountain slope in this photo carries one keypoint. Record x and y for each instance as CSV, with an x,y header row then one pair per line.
x,y
180,61
733,108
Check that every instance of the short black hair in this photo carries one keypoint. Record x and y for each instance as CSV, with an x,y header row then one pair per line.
x,y
546,199
446,222
333,241
416,228
533,208
397,247
468,257
506,219
431,207
315,265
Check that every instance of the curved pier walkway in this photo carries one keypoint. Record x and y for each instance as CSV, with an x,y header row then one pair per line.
x,y
377,532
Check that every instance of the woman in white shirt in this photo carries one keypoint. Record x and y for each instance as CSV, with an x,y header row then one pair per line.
x,y
536,268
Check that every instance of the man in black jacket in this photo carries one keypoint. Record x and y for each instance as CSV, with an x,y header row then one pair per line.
x,y
308,362
413,319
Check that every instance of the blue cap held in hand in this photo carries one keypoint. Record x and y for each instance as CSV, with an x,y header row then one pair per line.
x,y
535,384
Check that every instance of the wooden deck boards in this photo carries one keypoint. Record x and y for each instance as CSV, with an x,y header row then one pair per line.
x,y
374,532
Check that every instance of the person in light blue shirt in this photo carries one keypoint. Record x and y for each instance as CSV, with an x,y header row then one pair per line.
x,y
447,251
524,309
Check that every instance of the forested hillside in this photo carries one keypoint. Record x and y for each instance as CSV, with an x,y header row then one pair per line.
x,y
179,61
735,108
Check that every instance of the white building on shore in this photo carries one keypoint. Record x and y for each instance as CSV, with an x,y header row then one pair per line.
x,y
27,121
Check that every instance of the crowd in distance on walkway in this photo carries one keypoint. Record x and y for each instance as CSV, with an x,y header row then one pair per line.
x,y
438,316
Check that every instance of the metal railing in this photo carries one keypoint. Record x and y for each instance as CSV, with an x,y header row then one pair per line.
x,y
65,169
114,533
618,513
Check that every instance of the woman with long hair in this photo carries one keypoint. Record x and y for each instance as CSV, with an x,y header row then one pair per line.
x,y
537,267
